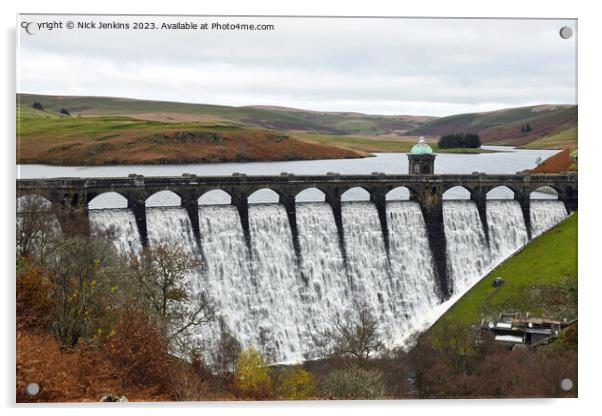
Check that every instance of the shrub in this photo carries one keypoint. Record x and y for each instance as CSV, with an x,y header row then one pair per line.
x,y
139,351
65,112
34,304
253,376
354,383
37,105
295,383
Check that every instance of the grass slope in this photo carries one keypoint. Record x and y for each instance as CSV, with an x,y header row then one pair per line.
x,y
279,118
553,126
541,279
49,138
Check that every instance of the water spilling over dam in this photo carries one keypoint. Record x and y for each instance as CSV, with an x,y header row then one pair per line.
x,y
284,256
269,297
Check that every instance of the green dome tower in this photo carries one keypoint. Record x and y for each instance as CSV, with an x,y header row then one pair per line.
x,y
421,159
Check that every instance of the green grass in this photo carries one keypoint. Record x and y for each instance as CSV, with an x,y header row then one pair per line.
x,y
541,279
377,144
249,116
556,141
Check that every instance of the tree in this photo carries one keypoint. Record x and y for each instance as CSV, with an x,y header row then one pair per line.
x,y
253,376
36,227
79,268
354,383
224,355
65,112
295,383
465,140
161,278
37,105
356,335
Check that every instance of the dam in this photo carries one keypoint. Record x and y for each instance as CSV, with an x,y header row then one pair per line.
x,y
282,271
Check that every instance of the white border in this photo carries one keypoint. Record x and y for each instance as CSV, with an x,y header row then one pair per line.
x,y
589,33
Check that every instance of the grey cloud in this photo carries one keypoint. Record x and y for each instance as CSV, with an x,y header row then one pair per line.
x,y
418,66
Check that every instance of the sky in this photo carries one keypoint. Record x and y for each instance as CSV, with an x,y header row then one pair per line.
x,y
386,66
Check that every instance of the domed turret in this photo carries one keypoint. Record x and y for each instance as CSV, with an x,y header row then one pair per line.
x,y
421,148
421,159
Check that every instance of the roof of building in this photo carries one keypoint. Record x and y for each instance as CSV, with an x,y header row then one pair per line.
x,y
421,148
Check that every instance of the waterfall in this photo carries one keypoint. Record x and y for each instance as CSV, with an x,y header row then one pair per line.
x,y
545,214
326,290
468,255
227,273
276,286
172,226
278,303
507,230
412,268
120,226
368,267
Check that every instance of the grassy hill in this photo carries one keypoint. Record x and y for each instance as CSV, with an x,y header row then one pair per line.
x,y
552,126
279,118
50,138
541,279
105,130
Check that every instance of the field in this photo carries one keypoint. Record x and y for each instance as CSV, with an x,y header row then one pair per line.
x,y
377,144
49,138
107,130
541,279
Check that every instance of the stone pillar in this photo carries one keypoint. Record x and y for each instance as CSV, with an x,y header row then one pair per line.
x,y
334,200
138,207
431,202
524,199
242,205
479,197
291,212
192,207
72,214
569,198
380,201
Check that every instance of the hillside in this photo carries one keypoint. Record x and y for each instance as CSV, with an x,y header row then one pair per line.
x,y
278,118
49,138
551,126
541,279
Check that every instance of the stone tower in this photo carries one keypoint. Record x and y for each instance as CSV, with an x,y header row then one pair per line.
x,y
422,159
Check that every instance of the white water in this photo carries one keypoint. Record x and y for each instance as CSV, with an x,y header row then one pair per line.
x,y
468,255
368,268
120,224
326,290
545,215
267,301
277,286
412,269
507,230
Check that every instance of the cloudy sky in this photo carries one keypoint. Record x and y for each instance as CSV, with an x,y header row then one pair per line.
x,y
376,66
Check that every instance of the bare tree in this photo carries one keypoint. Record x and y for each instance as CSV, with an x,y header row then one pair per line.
x,y
36,227
355,335
161,276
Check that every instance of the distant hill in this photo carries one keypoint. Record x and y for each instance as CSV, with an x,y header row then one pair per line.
x,y
279,118
542,126
48,137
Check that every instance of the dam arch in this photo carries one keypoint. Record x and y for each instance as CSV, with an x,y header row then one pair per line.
x,y
312,194
164,198
215,197
109,199
264,196
356,194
